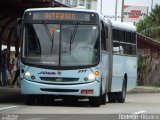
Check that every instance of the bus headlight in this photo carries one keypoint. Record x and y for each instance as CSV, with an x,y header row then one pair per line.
x,y
91,77
27,74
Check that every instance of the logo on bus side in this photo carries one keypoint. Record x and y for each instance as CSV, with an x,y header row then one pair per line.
x,y
47,73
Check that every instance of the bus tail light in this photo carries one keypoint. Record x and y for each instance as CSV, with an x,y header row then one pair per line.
x,y
86,91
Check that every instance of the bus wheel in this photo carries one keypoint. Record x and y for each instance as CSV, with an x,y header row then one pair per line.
x,y
29,100
121,96
95,101
103,99
111,97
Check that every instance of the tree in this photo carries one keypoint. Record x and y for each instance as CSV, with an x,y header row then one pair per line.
x,y
150,25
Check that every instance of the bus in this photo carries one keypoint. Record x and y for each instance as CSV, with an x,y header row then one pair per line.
x,y
75,54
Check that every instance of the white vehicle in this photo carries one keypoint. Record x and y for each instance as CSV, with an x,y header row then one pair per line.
x,y
69,52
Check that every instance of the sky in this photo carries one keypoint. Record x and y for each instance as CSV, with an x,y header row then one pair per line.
x,y
108,6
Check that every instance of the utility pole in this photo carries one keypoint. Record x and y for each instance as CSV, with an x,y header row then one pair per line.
x,y
122,10
152,5
116,10
101,7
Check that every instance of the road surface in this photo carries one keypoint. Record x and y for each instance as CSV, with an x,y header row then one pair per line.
x,y
136,104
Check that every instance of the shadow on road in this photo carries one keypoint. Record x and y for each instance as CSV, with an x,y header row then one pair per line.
x,y
8,94
13,95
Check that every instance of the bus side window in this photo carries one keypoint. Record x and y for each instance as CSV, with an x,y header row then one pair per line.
x,y
117,48
128,50
106,32
133,37
128,37
133,40
106,40
133,49
122,36
103,36
115,35
130,44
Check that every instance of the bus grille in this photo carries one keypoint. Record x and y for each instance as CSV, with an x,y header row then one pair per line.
x,y
59,90
59,79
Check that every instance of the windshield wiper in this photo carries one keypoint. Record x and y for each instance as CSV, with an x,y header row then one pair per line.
x,y
73,34
51,37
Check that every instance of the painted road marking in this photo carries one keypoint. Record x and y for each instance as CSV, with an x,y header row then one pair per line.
x,y
8,107
37,119
139,112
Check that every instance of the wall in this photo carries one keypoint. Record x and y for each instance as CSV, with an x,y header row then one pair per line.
x,y
149,69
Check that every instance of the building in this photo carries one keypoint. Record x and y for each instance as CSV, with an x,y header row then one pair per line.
x,y
88,4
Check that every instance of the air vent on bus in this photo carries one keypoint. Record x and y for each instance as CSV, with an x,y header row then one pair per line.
x,y
59,90
59,79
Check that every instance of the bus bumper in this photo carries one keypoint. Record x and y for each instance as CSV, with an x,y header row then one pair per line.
x,y
35,88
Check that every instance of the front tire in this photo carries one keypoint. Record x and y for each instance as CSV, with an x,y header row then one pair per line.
x,y
95,101
103,99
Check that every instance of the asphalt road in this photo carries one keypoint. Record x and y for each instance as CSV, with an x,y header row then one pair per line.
x,y
136,104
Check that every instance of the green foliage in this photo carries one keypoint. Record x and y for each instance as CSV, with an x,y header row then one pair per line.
x,y
150,25
141,63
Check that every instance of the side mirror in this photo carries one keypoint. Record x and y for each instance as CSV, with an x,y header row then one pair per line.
x,y
18,27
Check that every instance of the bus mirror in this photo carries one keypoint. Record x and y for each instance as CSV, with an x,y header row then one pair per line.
x,y
18,26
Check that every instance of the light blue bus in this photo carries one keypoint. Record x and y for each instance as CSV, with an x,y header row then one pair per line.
x,y
72,54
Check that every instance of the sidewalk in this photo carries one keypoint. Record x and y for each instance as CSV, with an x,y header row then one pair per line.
x,y
8,94
145,89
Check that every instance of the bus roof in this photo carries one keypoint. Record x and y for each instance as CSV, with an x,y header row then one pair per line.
x,y
119,25
60,9
124,26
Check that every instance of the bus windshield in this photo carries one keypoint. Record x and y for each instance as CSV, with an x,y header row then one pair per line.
x,y
60,45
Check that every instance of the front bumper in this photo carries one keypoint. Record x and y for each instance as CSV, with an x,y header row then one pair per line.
x,y
35,88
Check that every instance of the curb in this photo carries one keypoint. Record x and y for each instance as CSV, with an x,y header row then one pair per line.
x,y
144,89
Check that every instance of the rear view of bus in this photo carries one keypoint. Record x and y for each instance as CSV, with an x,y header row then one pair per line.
x,y
60,54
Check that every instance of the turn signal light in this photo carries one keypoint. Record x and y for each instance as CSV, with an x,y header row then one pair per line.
x,y
97,73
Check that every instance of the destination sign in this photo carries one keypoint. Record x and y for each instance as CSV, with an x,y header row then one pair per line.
x,y
70,16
